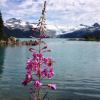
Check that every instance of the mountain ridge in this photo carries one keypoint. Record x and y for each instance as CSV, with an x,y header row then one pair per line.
x,y
20,29
87,32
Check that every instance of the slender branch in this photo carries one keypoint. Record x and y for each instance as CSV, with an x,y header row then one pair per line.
x,y
41,25
45,95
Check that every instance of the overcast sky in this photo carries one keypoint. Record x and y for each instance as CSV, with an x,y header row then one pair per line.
x,y
59,12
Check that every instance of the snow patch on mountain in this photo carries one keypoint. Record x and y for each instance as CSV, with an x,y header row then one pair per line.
x,y
14,23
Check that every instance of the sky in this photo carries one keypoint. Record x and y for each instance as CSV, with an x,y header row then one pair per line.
x,y
69,13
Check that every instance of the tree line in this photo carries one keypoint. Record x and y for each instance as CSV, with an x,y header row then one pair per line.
x,y
2,34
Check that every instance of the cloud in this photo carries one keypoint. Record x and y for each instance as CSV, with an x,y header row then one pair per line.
x,y
2,3
64,12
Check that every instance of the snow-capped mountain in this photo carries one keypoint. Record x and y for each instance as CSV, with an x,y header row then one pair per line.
x,y
14,23
86,32
18,28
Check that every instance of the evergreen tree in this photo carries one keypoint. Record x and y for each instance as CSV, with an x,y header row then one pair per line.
x,y
2,35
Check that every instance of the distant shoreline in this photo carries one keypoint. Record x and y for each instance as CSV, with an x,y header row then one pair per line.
x,y
33,42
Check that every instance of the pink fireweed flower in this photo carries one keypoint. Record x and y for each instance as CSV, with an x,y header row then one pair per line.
x,y
44,73
35,66
37,84
48,62
29,60
29,63
27,79
50,74
52,86
38,56
35,56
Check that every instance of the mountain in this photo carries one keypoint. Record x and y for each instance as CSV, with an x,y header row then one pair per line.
x,y
20,29
88,32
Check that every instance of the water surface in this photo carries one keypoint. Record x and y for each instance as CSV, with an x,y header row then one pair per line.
x,y
77,70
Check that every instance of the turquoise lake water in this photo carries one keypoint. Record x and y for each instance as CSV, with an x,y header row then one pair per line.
x,y
77,70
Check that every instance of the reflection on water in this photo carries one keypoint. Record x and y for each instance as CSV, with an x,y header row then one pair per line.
x,y
77,71
2,56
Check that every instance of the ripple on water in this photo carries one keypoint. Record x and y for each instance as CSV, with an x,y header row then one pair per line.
x,y
77,71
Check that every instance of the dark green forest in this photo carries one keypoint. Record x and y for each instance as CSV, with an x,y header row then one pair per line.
x,y
2,34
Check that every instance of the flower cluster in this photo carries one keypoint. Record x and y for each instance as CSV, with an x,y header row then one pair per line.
x,y
38,65
41,67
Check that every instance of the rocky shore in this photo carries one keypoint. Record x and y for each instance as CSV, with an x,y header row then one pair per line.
x,y
17,42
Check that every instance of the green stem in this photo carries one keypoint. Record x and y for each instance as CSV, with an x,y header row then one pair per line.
x,y
39,69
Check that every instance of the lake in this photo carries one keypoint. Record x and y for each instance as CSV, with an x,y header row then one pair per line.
x,y
77,70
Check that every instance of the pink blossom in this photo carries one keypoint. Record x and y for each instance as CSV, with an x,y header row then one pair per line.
x,y
52,86
44,73
29,61
48,61
51,73
37,84
45,60
40,55
35,55
29,64
35,65
41,67
27,79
